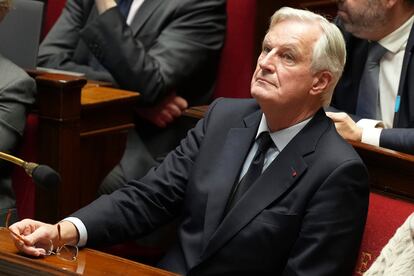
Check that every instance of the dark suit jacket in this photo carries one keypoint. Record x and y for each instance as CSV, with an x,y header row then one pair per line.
x,y
304,216
17,91
401,136
170,45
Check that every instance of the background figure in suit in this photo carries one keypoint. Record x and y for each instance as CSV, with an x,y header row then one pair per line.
x,y
168,51
390,23
17,91
303,215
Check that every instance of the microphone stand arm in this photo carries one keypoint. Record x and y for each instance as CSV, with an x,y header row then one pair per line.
x,y
27,166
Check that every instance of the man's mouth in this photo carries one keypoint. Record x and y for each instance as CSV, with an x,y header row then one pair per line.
x,y
265,81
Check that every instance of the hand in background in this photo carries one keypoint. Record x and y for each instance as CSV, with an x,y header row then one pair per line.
x,y
345,126
164,112
104,5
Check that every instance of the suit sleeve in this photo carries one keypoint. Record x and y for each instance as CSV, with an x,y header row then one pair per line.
x,y
399,139
17,92
332,227
142,206
58,49
183,46
192,38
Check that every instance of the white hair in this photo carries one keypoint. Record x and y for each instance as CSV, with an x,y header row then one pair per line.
x,y
329,52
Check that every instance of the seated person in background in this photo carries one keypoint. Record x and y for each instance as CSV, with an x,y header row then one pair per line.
x,y
397,256
168,51
264,186
17,92
385,93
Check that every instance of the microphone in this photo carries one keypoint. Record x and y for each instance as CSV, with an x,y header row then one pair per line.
x,y
42,175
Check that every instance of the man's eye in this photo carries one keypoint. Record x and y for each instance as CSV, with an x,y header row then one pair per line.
x,y
288,58
266,49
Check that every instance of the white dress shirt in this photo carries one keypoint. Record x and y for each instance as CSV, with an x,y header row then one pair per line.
x,y
389,78
136,4
280,138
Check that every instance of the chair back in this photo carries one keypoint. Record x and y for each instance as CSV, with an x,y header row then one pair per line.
x,y
237,57
53,10
23,185
385,215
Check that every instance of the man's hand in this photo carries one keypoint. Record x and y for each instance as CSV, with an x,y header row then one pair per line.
x,y
345,126
164,112
104,5
34,237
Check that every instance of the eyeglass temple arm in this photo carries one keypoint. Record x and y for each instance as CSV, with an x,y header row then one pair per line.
x,y
17,236
8,229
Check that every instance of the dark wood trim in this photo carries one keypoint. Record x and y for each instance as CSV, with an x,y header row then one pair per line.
x,y
82,133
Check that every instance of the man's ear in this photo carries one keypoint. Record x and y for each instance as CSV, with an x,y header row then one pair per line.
x,y
321,82
390,3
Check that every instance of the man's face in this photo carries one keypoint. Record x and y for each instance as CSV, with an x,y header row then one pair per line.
x,y
362,17
283,76
4,8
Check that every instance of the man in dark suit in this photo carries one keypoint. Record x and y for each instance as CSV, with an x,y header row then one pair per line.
x,y
17,92
363,23
304,211
168,51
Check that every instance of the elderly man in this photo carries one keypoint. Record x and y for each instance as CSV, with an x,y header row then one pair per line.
x,y
17,92
377,86
263,186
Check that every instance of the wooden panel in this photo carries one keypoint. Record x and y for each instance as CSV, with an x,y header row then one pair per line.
x,y
90,262
82,133
391,172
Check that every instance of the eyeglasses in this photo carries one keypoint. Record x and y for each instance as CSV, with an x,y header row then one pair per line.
x,y
66,251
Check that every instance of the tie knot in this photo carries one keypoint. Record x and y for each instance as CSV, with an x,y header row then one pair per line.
x,y
264,142
375,52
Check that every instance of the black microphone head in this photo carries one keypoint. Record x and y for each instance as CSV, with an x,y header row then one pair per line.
x,y
46,177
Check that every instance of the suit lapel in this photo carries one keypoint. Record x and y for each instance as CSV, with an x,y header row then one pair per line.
x,y
227,170
143,13
279,177
406,113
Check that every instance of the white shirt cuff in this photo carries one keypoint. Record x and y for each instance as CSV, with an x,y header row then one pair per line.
x,y
371,136
371,131
83,233
369,123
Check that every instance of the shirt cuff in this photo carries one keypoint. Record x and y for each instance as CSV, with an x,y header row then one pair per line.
x,y
83,233
369,123
371,136
371,131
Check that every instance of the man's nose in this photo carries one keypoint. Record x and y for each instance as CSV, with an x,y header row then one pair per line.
x,y
267,62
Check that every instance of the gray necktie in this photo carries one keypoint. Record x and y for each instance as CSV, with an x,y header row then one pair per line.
x,y
368,96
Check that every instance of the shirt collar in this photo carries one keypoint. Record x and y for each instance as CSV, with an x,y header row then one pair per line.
x,y
397,40
281,137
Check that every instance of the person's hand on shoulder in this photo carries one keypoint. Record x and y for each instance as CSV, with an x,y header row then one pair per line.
x,y
104,5
345,126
